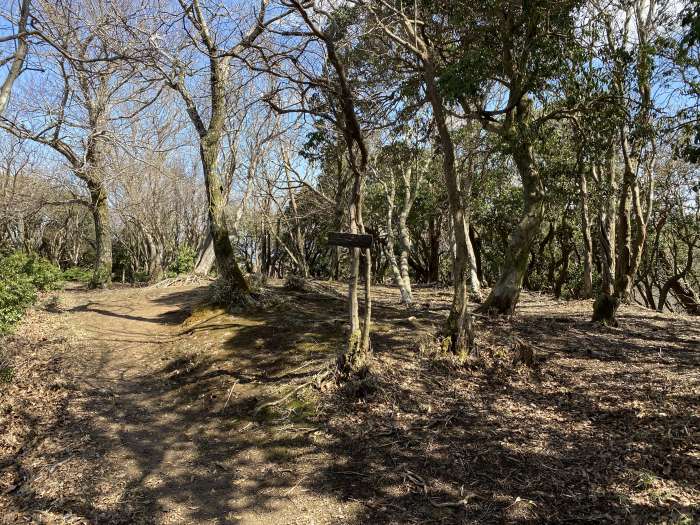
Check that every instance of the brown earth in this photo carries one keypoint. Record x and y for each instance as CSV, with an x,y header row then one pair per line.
x,y
138,406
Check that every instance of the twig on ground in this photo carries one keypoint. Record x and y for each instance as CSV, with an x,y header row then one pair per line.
x,y
286,494
229,395
316,378
461,503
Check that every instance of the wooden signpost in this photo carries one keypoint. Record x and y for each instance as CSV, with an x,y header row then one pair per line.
x,y
350,240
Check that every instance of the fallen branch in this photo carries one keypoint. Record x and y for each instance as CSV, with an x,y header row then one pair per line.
x,y
461,503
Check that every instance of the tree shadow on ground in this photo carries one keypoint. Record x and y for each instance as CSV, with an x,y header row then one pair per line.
x,y
603,430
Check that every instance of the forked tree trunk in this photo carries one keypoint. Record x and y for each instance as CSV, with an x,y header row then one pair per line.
x,y
506,292
354,359
632,220
400,273
631,235
606,304
226,262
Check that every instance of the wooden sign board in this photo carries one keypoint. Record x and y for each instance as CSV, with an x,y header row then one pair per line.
x,y
349,240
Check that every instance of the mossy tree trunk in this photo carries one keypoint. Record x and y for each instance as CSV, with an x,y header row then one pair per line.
x,y
226,262
506,292
637,143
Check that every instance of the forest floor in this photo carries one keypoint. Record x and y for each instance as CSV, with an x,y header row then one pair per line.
x,y
137,405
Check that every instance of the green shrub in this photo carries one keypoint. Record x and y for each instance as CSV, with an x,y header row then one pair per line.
x,y
16,296
140,276
184,262
21,276
76,273
44,274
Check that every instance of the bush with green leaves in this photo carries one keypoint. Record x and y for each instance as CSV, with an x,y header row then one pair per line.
x,y
21,277
184,262
76,273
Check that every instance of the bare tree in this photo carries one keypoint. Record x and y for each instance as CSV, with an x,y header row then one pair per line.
x,y
17,58
204,51
80,119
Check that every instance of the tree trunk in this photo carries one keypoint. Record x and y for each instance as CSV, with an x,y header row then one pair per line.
x,y
686,296
474,281
623,267
434,232
649,293
587,286
226,262
155,259
205,257
405,248
605,305
19,57
458,329
476,243
400,273
102,274
505,293
355,356
677,283
566,249
631,235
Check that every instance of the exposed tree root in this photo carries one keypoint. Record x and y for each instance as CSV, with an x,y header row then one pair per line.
x,y
189,279
315,379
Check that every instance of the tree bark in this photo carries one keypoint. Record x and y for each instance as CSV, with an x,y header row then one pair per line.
x,y
458,329
587,286
434,233
566,249
18,59
390,247
506,292
677,283
605,305
205,257
686,296
226,262
102,274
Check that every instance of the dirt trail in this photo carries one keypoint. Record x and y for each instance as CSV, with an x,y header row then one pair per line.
x,y
167,437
